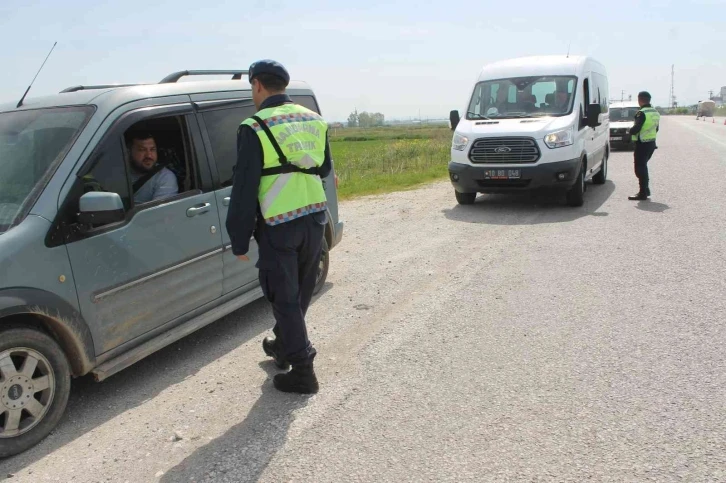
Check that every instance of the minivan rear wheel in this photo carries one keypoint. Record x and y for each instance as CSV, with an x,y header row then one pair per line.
x,y
34,385
465,198
322,269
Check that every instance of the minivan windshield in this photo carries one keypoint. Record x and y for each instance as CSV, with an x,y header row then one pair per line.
x,y
31,144
517,97
622,114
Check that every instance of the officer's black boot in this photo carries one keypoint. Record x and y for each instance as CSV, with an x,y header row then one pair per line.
x,y
300,379
642,194
273,349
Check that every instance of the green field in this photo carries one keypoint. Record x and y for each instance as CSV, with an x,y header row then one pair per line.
x,y
378,160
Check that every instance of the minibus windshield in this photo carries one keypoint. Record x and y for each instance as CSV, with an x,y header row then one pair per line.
x,y
520,97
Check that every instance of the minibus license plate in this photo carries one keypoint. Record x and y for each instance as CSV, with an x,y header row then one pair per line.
x,y
616,138
502,174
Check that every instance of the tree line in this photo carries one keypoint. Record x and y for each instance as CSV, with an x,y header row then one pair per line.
x,y
365,119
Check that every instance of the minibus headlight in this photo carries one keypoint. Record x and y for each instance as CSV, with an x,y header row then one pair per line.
x,y
559,139
459,142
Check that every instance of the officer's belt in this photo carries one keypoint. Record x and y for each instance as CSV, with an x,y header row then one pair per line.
x,y
286,167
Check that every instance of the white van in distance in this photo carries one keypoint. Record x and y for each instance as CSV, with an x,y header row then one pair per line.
x,y
532,123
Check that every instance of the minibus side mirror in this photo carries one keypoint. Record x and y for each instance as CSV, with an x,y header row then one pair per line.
x,y
593,115
454,119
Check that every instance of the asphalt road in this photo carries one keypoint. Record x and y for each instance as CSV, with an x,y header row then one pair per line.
x,y
513,340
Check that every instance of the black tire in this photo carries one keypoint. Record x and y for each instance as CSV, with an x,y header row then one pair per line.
x,y
576,194
602,175
465,198
322,268
18,390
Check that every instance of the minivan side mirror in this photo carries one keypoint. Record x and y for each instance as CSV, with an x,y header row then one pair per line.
x,y
593,115
454,119
101,208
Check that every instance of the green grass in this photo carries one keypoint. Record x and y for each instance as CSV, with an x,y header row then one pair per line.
x,y
381,160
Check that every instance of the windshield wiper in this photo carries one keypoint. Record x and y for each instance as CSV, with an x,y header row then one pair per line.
x,y
480,116
515,116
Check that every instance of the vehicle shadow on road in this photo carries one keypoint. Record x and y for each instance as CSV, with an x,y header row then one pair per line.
x,y
531,208
245,450
92,404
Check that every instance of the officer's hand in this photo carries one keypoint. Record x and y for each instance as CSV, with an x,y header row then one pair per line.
x,y
243,258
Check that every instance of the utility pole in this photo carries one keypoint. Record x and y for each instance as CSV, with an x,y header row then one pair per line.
x,y
710,94
673,96
622,95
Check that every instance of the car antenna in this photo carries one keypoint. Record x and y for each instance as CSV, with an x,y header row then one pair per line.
x,y
36,75
568,49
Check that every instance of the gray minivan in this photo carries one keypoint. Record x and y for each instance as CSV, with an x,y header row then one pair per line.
x,y
92,281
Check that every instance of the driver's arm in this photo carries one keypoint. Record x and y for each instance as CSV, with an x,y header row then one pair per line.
x,y
166,185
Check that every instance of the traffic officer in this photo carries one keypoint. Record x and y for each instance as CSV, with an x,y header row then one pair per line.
x,y
644,132
278,195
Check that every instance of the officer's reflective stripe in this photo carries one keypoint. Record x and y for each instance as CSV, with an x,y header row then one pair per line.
x,y
287,118
291,215
306,161
274,191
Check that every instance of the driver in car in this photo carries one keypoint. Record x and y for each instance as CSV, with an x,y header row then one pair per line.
x,y
151,181
562,101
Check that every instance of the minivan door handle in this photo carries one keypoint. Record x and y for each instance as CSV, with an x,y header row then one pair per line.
x,y
198,210
225,201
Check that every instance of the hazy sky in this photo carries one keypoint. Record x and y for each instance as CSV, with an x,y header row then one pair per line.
x,y
399,58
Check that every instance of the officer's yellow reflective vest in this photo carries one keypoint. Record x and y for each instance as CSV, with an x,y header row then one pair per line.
x,y
290,186
649,130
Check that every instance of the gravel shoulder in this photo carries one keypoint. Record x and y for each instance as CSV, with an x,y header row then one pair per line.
x,y
515,339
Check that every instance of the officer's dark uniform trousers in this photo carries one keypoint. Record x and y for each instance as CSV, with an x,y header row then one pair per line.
x,y
289,256
643,153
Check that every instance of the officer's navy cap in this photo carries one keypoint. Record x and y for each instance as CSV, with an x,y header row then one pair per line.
x,y
269,67
644,95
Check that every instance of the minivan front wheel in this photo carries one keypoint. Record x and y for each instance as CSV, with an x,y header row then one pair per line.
x,y
576,194
602,175
34,386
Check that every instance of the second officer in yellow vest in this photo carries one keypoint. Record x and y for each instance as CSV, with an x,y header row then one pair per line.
x,y
278,195
644,131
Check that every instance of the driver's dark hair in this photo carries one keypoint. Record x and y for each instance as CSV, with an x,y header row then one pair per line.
x,y
137,135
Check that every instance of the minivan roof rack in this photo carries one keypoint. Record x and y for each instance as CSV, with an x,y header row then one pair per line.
x,y
102,86
171,78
